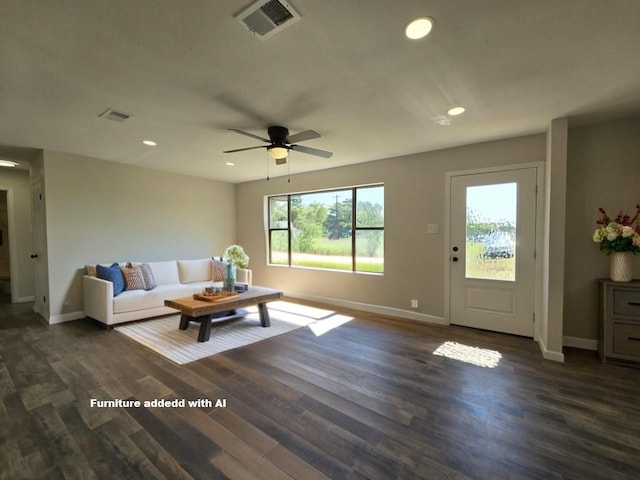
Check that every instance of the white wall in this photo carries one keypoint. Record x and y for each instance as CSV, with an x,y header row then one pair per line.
x,y
17,181
414,197
99,211
551,323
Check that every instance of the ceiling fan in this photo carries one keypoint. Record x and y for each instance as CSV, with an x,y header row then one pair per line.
x,y
280,142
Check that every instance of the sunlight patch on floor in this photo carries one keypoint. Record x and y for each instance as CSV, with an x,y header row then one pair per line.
x,y
319,320
304,310
323,326
482,357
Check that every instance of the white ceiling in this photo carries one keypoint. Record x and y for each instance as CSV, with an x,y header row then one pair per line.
x,y
187,71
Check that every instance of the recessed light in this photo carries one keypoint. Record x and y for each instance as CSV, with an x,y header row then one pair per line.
x,y
229,164
149,143
419,28
8,163
455,111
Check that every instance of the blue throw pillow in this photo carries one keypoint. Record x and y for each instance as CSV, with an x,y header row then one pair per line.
x,y
112,274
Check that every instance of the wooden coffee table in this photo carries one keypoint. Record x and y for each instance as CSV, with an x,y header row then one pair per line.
x,y
200,311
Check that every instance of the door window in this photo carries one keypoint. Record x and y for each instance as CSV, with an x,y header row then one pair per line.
x,y
491,231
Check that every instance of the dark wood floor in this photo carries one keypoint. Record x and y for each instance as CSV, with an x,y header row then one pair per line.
x,y
365,400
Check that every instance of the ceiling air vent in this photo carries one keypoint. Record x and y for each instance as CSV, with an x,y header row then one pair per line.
x,y
267,17
116,116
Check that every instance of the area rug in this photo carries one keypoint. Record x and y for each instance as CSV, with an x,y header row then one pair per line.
x,y
163,336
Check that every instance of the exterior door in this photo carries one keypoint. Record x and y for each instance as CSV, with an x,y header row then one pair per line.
x,y
492,250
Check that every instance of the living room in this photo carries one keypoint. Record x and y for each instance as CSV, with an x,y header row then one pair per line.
x,y
96,195
105,229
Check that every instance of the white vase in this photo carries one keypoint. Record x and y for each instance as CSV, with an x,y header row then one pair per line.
x,y
621,267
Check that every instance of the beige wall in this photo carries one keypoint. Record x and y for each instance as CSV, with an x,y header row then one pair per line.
x,y
603,171
414,197
99,211
22,276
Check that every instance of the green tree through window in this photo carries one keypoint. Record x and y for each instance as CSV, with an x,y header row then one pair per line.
x,y
322,229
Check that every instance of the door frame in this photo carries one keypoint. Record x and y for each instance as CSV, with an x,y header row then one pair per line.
x,y
11,240
539,226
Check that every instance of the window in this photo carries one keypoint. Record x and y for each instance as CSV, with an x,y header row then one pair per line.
x,y
324,230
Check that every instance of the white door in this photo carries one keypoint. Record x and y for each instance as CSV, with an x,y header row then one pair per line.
x,y
38,255
492,250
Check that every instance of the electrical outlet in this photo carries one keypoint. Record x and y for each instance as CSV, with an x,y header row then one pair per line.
x,y
414,303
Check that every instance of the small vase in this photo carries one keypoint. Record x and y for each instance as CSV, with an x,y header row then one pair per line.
x,y
230,277
621,267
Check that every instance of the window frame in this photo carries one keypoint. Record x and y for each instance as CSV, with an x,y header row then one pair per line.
x,y
354,228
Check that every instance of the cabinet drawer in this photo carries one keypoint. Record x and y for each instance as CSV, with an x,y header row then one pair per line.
x,y
626,339
626,302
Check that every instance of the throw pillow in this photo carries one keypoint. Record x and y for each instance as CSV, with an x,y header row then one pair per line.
x,y
90,270
219,271
133,278
147,275
112,274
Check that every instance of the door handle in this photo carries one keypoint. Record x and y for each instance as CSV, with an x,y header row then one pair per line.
x,y
34,255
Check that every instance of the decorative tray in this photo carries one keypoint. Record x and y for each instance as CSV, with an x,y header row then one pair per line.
x,y
214,297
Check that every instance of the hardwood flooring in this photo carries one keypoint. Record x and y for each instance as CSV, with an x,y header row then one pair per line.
x,y
368,399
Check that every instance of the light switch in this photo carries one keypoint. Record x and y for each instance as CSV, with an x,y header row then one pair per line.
x,y
432,228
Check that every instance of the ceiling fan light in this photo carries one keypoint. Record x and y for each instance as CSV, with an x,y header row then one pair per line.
x,y
278,152
456,111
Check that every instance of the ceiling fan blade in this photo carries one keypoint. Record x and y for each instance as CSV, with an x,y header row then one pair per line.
x,y
242,132
243,149
312,151
303,136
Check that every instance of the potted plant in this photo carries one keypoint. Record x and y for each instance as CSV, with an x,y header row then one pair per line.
x,y
620,238
234,255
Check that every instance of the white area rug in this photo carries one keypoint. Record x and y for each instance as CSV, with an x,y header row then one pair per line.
x,y
163,336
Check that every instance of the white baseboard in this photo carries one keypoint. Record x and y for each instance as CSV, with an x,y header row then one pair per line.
x,y
379,309
577,342
423,317
65,317
550,354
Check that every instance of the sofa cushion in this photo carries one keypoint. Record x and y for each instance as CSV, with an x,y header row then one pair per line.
x,y
112,274
195,270
133,278
133,300
165,273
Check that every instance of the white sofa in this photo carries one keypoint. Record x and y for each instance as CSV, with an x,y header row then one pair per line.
x,y
174,279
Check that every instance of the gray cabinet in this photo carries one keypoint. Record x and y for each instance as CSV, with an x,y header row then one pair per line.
x,y
619,321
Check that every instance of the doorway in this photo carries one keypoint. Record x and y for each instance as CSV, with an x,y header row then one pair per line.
x,y
492,249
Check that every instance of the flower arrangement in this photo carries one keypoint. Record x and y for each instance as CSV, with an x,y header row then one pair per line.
x,y
236,255
620,234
